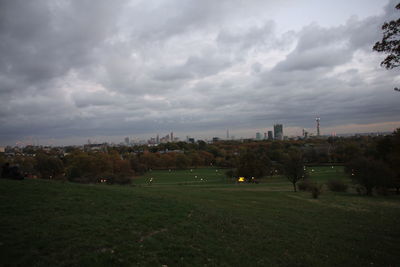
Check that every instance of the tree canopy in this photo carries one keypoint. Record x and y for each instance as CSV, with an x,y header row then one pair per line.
x,y
390,43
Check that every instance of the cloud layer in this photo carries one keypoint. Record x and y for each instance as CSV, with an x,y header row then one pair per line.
x,y
71,70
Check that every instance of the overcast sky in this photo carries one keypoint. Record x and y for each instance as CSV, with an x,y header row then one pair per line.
x,y
100,69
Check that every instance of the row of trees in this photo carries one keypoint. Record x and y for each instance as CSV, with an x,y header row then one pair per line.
x,y
113,167
371,162
378,168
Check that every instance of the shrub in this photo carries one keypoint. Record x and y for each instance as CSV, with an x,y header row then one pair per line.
x,y
383,191
316,190
359,189
369,173
337,186
119,179
304,185
230,174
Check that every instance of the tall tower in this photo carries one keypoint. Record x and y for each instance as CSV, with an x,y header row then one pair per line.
x,y
317,120
227,134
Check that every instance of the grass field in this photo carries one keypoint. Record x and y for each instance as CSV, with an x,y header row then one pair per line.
x,y
180,221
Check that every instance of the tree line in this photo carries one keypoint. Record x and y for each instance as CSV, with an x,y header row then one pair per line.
x,y
371,162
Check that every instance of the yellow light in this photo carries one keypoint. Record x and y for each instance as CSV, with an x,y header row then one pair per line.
x,y
241,179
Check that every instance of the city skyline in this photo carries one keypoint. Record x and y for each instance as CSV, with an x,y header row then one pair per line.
x,y
68,75
154,138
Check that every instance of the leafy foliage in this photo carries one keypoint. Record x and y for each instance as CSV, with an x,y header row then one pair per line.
x,y
316,190
252,166
49,167
369,173
304,185
337,186
390,43
293,167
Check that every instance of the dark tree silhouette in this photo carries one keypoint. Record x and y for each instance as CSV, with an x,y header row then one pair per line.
x,y
390,43
293,167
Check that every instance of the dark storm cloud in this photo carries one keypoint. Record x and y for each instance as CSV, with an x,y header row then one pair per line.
x,y
41,40
86,68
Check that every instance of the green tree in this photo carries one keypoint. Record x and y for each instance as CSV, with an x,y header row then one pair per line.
x,y
49,167
293,167
250,165
390,43
369,174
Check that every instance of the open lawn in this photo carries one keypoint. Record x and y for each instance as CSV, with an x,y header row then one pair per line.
x,y
180,221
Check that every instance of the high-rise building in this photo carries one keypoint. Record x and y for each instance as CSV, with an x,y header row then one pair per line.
x,y
172,137
258,136
278,131
270,135
127,140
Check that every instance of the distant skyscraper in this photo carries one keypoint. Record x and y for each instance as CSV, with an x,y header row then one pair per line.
x,y
158,139
172,137
227,134
278,132
270,135
265,136
258,136
127,140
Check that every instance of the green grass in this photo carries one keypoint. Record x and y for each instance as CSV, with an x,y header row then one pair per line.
x,y
197,176
212,223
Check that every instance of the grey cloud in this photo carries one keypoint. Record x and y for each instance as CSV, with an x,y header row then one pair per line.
x,y
75,68
195,66
318,47
43,40
329,47
246,38
84,99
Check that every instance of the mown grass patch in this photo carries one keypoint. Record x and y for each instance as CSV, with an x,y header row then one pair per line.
x,y
46,223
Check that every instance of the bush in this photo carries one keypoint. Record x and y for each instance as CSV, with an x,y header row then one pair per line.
x,y
369,173
337,186
304,185
383,191
316,190
230,174
359,189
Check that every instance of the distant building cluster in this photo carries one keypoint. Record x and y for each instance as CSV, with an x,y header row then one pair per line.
x,y
276,133
152,141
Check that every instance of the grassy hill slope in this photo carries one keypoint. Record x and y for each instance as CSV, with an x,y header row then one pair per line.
x,y
46,223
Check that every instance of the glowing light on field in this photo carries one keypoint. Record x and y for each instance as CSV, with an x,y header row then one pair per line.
x,y
241,179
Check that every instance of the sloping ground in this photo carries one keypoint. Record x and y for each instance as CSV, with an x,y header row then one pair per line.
x,y
45,223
